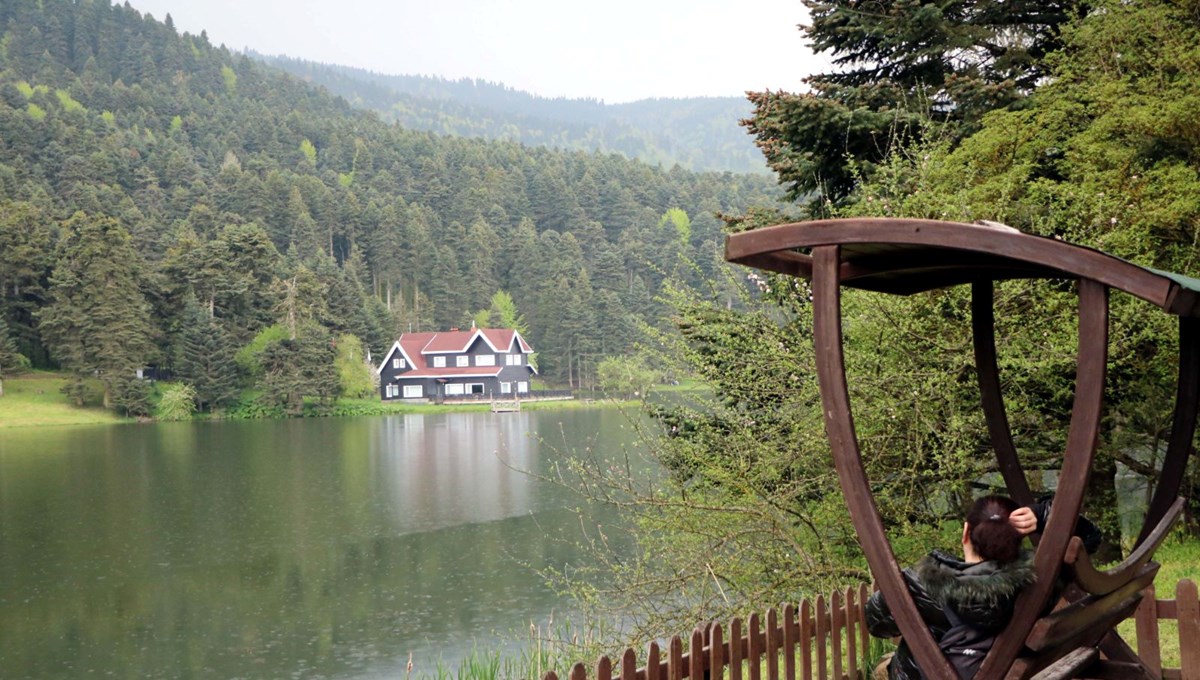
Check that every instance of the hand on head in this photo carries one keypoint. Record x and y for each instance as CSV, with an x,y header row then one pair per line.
x,y
1023,520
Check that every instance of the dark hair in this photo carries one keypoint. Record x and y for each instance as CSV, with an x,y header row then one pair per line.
x,y
991,535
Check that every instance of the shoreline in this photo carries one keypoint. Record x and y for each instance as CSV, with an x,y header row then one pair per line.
x,y
34,399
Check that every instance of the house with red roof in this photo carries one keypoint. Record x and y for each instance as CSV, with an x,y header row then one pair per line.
x,y
481,362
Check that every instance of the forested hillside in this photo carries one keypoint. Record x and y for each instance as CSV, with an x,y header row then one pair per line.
x,y
699,133
166,202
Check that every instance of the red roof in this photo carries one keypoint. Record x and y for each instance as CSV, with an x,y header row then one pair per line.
x,y
417,347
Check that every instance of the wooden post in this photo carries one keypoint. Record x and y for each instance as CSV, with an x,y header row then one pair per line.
x,y
773,644
837,625
1187,610
716,652
789,641
756,649
983,325
853,617
806,638
696,655
822,640
629,665
1146,621
1082,437
735,649
839,425
603,669
675,659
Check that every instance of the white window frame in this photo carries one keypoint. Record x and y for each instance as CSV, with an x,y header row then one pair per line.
x,y
505,388
439,362
485,360
462,360
512,359
390,391
398,363
455,389
471,388
413,391
522,387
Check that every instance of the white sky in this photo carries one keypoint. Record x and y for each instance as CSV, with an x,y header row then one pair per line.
x,y
615,50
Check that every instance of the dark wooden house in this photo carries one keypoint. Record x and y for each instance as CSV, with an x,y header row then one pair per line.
x,y
480,362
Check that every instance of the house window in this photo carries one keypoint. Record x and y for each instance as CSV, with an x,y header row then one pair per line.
x,y
390,390
439,362
454,389
512,359
485,360
475,388
462,361
397,363
413,392
505,388
522,387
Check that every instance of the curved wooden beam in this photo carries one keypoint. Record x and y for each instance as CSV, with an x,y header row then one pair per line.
x,y
1099,582
1048,255
1183,426
983,323
839,424
1082,438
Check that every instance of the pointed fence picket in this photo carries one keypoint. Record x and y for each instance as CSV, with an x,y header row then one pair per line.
x,y
825,639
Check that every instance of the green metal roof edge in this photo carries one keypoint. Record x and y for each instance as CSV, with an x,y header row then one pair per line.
x,y
1188,282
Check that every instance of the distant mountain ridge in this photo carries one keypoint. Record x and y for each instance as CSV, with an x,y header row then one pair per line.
x,y
698,133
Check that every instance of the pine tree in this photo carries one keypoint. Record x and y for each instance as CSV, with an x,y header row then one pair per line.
x,y
896,65
205,360
98,320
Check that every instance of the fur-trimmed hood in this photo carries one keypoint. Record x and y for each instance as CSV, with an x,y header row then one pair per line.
x,y
982,593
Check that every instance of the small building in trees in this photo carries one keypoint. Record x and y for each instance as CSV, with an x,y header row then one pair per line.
x,y
480,362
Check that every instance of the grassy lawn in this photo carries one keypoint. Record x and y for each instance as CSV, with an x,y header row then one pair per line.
x,y
35,398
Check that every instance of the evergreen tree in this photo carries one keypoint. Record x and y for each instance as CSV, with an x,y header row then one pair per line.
x,y
300,366
205,360
896,65
98,320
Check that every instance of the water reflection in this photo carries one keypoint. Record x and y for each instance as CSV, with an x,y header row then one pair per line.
x,y
304,548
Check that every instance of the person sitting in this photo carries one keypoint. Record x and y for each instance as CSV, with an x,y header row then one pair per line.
x,y
978,590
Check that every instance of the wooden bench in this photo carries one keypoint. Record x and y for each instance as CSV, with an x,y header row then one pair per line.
x,y
1064,643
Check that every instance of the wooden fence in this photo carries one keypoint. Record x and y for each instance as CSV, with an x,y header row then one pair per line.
x,y
828,637
1185,609
828,640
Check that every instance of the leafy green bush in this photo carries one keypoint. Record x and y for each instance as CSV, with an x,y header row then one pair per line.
x,y
178,402
354,373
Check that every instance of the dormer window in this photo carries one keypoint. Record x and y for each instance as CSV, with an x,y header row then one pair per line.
x,y
398,363
439,362
512,359
462,361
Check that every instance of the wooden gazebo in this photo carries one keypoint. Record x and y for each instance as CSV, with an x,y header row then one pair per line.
x,y
903,256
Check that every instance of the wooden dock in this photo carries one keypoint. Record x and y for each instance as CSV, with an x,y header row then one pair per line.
x,y
506,405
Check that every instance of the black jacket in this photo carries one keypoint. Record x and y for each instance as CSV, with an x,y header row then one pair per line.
x,y
982,594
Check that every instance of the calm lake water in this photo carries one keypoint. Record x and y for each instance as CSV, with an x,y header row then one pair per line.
x,y
271,549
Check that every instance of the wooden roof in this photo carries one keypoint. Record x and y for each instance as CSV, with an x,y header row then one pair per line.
x,y
910,256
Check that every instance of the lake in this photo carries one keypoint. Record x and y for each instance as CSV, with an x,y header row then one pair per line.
x,y
330,547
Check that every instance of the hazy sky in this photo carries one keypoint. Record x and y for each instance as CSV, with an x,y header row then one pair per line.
x,y
616,50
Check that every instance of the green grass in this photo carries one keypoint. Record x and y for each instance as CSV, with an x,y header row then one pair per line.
x,y
36,398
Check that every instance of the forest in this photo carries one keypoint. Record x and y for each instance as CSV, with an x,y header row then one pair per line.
x,y
165,202
698,133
